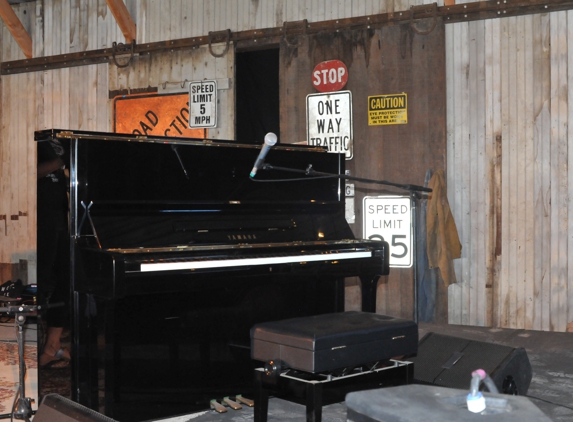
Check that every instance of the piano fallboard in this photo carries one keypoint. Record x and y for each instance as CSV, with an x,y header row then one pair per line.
x,y
116,272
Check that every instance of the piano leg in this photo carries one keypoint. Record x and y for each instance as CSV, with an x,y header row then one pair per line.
x,y
93,318
369,286
112,365
85,352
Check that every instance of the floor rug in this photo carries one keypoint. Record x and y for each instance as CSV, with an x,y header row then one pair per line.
x,y
10,365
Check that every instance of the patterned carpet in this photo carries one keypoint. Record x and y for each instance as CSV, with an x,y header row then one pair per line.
x,y
39,382
9,366
55,381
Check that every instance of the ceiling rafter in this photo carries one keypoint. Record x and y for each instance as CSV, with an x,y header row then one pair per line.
x,y
123,19
16,28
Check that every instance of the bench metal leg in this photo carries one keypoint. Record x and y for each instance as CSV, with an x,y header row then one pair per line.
x,y
261,409
314,402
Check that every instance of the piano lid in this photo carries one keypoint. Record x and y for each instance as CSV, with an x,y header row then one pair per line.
x,y
161,191
117,171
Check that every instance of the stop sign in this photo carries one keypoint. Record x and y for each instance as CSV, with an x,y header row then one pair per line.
x,y
330,75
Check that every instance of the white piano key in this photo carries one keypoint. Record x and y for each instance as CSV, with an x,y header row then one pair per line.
x,y
244,262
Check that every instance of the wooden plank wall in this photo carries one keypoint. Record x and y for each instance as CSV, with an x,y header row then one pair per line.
x,y
510,177
508,156
79,97
75,97
169,71
408,62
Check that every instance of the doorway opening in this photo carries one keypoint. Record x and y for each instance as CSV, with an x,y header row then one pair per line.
x,y
257,95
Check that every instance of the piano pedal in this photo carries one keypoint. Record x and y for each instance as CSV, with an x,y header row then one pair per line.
x,y
217,407
231,403
240,399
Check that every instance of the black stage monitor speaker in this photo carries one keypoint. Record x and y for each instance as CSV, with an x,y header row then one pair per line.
x,y
449,362
55,408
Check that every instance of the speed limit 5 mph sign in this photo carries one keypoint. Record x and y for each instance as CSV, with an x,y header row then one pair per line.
x,y
202,104
389,218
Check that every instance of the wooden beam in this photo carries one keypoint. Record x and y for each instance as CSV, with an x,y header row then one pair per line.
x,y
465,12
123,19
16,28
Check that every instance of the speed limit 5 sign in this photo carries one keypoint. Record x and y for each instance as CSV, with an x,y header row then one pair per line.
x,y
202,104
389,218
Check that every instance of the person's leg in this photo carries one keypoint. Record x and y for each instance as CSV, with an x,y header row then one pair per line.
x,y
53,350
57,316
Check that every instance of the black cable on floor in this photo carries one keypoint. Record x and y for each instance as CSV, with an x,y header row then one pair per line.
x,y
548,401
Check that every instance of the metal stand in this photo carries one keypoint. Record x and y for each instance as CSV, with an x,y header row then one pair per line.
x,y
370,285
22,408
310,172
414,196
24,404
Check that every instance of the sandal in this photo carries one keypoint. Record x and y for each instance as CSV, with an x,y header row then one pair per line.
x,y
58,361
60,354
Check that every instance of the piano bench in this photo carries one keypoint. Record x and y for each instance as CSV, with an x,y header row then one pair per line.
x,y
334,341
317,390
321,358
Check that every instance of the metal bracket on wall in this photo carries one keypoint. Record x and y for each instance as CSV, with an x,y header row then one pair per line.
x,y
215,36
426,8
297,28
122,49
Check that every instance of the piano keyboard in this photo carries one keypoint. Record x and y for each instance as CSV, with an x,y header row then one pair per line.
x,y
245,262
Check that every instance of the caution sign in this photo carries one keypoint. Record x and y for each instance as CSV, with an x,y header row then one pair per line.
x,y
388,109
329,121
389,218
203,104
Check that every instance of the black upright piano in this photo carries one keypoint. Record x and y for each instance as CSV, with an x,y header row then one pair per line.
x,y
177,253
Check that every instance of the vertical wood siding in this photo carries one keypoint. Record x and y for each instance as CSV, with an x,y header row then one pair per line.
x,y
509,83
508,158
410,63
33,101
79,97
168,71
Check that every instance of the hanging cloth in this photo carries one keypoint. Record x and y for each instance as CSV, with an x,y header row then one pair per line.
x,y
443,243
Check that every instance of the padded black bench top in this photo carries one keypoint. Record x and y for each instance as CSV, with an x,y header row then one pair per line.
x,y
333,341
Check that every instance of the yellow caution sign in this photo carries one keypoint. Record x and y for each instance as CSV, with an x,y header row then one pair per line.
x,y
389,109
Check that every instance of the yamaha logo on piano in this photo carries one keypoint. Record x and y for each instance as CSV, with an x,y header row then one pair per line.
x,y
242,236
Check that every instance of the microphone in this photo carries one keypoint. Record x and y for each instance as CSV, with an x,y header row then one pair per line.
x,y
270,140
